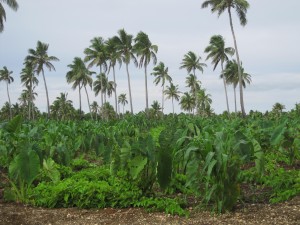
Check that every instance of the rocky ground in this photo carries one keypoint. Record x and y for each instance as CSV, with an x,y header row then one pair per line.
x,y
18,214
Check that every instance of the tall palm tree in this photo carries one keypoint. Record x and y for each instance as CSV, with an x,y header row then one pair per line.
x,y
219,53
241,7
29,80
96,56
204,101
161,75
101,84
62,108
173,93
187,102
12,4
80,76
156,109
193,84
146,52
231,75
5,75
95,108
122,100
113,57
191,63
125,49
39,58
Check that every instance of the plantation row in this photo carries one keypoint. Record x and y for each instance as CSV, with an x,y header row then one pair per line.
x,y
157,164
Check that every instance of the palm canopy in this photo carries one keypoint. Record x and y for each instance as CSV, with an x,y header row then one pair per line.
x,y
161,74
39,58
27,76
5,75
187,102
96,54
219,6
11,4
193,83
217,50
124,46
232,76
102,84
113,56
192,63
144,49
79,74
172,92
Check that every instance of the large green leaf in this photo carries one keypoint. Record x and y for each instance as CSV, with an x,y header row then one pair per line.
x,y
164,168
278,134
136,165
25,166
13,125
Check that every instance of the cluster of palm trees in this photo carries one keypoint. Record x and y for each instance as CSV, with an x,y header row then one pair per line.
x,y
124,48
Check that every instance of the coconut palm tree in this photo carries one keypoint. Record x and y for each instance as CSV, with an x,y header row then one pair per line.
x,y
80,76
146,52
122,100
278,108
172,92
187,102
217,52
96,56
161,76
113,57
62,108
11,4
101,84
95,108
125,49
39,59
231,75
204,101
241,7
5,75
193,84
29,80
156,109
191,63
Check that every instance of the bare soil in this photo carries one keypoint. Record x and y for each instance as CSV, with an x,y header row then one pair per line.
x,y
19,214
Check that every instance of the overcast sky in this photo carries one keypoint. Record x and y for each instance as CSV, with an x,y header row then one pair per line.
x,y
268,46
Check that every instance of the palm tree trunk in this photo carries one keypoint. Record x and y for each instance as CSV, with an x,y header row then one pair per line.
x,y
173,105
101,83
48,105
239,65
10,113
116,101
129,88
30,98
234,92
146,88
195,92
162,100
79,100
225,88
87,96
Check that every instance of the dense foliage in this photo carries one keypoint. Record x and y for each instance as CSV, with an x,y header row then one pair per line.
x,y
158,163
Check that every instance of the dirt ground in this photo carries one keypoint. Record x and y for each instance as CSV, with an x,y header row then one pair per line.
x,y
18,214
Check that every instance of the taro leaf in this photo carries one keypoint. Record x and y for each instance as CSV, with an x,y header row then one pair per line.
x,y
259,157
278,134
13,125
50,170
164,168
136,165
25,166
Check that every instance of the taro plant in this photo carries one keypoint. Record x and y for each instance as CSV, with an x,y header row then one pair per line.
x,y
23,170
